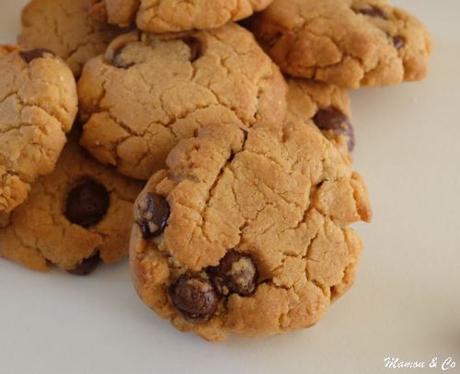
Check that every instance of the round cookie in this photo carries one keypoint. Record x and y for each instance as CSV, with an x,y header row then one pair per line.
x,y
248,233
164,16
38,104
327,106
74,218
148,92
66,28
350,43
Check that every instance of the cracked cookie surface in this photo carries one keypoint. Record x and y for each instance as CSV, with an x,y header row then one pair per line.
x,y
75,217
66,28
351,43
327,106
163,16
248,232
38,104
148,92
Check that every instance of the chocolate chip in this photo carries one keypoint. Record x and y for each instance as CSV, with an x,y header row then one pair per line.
x,y
329,119
32,54
195,297
372,11
152,214
399,42
332,119
196,48
87,203
236,273
87,266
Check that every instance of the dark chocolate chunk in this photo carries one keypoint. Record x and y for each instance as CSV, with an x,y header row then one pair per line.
x,y
87,203
195,297
332,119
372,11
152,213
399,42
236,273
87,266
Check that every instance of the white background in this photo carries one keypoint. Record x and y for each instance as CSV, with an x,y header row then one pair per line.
x,y
405,303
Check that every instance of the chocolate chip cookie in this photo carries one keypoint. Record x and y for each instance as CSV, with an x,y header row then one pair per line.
x,y
163,16
147,92
327,106
247,232
66,28
350,43
38,104
75,218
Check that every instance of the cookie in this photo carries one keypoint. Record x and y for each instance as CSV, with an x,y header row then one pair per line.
x,y
248,233
350,43
164,16
327,106
75,218
38,104
147,92
66,28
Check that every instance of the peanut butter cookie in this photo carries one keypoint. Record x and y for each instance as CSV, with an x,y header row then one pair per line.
x,y
350,43
147,92
164,16
75,217
38,104
66,28
248,232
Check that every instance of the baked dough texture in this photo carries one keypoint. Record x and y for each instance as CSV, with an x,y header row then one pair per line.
x,y
39,234
327,106
148,92
164,16
278,206
350,43
67,28
38,105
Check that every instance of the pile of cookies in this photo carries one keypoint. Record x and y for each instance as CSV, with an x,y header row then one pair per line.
x,y
217,154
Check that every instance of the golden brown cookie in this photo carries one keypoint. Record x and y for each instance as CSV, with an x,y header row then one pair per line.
x,y
248,232
164,16
38,104
74,218
327,106
66,28
350,43
147,92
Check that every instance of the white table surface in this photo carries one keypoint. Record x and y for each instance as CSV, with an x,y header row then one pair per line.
x,y
405,303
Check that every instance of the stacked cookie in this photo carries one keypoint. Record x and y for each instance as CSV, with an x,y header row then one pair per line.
x,y
243,225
